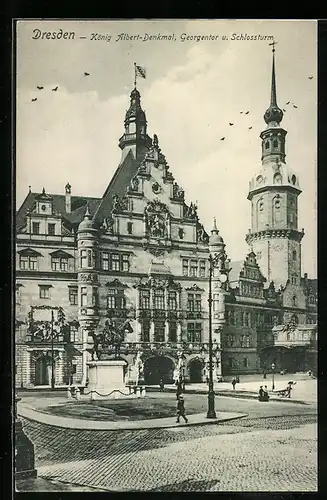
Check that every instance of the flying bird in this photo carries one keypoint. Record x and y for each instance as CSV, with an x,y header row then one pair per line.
x,y
231,124
288,102
222,139
250,128
86,74
310,77
241,112
294,106
35,99
284,110
55,89
247,112
39,88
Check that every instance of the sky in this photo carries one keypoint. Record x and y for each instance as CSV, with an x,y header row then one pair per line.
x,y
192,91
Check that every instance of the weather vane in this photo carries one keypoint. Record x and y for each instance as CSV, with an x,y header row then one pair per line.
x,y
273,45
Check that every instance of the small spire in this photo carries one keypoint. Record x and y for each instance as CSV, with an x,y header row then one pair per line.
x,y
29,189
214,229
274,114
43,191
87,212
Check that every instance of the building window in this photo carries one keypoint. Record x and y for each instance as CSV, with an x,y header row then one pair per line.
x,y
294,301
194,332
185,267
95,297
28,262
89,258
275,143
105,261
159,331
294,280
83,296
51,229
130,227
73,298
172,301
194,302
294,254
115,262
44,291
159,299
145,299
202,269
230,362
125,263
215,301
116,299
245,341
194,268
172,331
35,227
145,331
83,258
312,299
267,144
180,233
59,264
229,340
259,255
245,362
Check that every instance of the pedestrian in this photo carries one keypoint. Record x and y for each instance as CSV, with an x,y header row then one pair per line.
x,y
265,393
234,383
181,410
161,385
288,389
264,374
179,390
260,392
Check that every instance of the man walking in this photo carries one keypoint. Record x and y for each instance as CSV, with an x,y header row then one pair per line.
x,y
181,410
234,383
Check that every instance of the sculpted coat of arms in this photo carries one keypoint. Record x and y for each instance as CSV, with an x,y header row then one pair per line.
x,y
157,219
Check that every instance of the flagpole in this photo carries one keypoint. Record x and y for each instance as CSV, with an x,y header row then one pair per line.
x,y
135,75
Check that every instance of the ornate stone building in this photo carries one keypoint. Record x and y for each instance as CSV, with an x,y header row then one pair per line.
x,y
139,255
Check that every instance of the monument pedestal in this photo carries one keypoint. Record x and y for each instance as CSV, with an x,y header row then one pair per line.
x,y
106,379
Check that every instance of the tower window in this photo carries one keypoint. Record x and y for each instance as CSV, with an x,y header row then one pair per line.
x,y
181,233
275,143
130,227
83,296
294,255
261,206
36,228
277,179
267,144
145,299
246,364
51,229
293,179
294,301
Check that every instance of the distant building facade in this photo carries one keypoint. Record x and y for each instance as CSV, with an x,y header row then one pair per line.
x,y
140,253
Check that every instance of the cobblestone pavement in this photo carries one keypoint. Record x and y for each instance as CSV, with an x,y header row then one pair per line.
x,y
272,453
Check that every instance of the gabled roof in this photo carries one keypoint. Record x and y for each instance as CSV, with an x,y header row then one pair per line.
x,y
117,186
29,252
61,253
78,205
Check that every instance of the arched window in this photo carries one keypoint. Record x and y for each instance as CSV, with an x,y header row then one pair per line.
x,y
293,179
275,143
294,301
277,209
267,144
294,254
260,211
277,178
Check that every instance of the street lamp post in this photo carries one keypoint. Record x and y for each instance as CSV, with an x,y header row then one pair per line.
x,y
211,394
273,366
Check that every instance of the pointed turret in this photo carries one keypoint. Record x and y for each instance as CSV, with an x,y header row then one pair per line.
x,y
135,137
216,242
274,115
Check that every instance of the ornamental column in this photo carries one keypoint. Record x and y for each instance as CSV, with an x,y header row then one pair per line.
x,y
88,283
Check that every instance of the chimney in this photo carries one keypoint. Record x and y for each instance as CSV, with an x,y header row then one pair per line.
x,y
68,198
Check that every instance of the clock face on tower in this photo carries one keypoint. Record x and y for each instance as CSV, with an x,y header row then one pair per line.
x,y
43,207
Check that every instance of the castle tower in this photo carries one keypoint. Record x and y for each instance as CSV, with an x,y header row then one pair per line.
x,y
88,281
135,138
273,192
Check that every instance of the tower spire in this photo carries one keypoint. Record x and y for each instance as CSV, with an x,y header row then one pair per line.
x,y
274,115
273,98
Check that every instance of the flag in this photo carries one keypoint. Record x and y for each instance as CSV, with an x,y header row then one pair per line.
x,y
139,71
